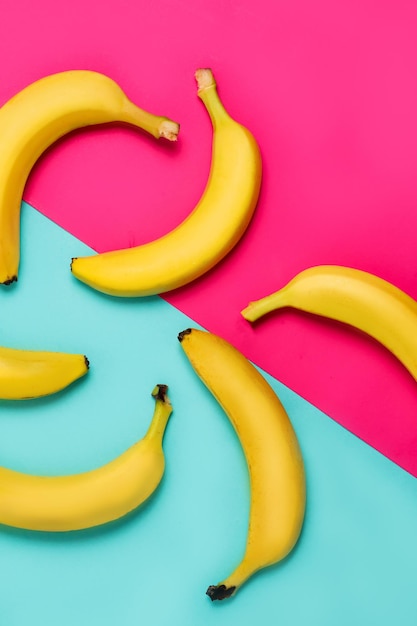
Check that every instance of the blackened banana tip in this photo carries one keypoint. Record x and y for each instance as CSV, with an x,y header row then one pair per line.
x,y
219,592
160,392
183,333
9,281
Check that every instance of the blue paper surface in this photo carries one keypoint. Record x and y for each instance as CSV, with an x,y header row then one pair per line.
x,y
356,561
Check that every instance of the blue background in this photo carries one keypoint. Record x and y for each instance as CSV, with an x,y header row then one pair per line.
x,y
356,561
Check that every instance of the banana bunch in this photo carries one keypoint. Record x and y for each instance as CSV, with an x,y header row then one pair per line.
x,y
209,232
40,114
92,498
353,297
271,448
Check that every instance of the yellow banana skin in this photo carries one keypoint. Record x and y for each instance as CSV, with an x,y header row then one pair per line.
x,y
28,374
271,448
209,232
92,498
354,297
35,118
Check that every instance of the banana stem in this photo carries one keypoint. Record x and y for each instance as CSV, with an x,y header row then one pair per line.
x,y
153,124
229,586
258,308
163,409
207,92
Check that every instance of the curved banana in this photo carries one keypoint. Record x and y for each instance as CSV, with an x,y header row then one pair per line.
x,y
354,297
35,118
28,374
92,498
271,449
210,231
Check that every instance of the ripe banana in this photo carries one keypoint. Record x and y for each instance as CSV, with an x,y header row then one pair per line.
x,y
354,297
209,232
92,498
271,448
28,374
40,114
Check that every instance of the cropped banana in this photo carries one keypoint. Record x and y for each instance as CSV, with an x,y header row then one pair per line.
x,y
209,232
35,118
271,449
354,297
28,374
92,498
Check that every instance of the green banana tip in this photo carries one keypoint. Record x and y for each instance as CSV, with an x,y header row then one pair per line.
x,y
248,313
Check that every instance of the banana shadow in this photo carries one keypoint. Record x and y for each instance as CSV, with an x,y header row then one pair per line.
x,y
126,302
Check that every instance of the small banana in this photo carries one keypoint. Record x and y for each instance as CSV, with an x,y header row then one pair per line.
x,y
271,449
92,498
40,114
28,374
209,232
354,297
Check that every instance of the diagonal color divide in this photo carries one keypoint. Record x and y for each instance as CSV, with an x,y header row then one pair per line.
x,y
361,513
329,94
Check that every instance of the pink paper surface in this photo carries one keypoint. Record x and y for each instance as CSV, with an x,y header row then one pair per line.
x,y
330,92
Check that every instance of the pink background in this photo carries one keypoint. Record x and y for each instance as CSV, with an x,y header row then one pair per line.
x,y
329,89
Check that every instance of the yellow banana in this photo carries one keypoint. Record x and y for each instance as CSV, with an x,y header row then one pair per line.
x,y
209,232
92,498
40,114
354,297
28,374
271,449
